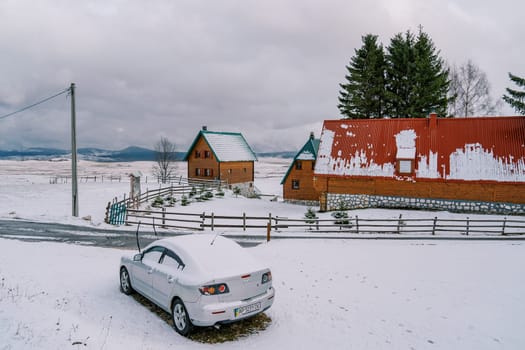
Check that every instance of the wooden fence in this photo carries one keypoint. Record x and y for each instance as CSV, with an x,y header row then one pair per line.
x,y
115,208
127,212
429,226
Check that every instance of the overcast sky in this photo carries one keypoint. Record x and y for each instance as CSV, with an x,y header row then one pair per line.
x,y
269,69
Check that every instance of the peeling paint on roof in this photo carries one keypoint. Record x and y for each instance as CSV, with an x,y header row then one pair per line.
x,y
469,149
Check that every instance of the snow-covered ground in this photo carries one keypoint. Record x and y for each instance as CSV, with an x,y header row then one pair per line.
x,y
333,294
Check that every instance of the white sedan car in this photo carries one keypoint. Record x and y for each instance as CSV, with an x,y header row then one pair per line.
x,y
201,279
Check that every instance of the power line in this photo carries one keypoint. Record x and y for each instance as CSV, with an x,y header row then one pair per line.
x,y
35,104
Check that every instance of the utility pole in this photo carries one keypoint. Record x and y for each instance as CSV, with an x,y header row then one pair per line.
x,y
74,153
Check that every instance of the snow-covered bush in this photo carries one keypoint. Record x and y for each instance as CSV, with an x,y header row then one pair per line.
x,y
158,202
310,216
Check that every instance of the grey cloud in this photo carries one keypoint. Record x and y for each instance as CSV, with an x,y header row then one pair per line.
x,y
270,69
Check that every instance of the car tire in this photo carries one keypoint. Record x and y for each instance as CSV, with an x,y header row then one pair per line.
x,y
125,282
180,318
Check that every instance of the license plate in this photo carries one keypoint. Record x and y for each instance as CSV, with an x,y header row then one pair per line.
x,y
243,310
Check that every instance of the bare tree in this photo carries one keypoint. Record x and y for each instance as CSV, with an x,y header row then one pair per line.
x,y
165,158
469,92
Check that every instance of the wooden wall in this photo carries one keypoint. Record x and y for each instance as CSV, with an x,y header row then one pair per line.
x,y
455,190
236,172
306,189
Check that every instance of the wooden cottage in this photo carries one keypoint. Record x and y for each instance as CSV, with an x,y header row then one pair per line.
x,y
458,164
298,181
224,156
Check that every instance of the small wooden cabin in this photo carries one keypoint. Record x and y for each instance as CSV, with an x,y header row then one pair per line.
x,y
224,156
298,181
457,164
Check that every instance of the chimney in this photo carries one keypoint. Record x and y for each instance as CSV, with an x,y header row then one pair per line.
x,y
433,120
204,128
312,135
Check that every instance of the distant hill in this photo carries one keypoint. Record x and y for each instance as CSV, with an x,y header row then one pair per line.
x,y
284,154
129,154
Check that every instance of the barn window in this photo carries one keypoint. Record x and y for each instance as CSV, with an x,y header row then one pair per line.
x,y
295,184
405,158
197,154
298,165
405,166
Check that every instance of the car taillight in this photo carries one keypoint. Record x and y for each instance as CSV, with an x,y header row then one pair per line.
x,y
266,277
214,289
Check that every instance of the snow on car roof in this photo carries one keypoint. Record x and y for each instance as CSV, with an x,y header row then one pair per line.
x,y
213,255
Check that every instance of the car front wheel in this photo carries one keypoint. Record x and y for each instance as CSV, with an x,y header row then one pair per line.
x,y
125,283
181,319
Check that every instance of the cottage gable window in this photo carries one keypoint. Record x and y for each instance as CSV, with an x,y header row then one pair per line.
x,y
298,165
207,154
295,184
197,154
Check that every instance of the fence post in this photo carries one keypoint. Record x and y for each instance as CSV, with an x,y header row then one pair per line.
x,y
434,226
106,220
356,224
163,217
399,224
212,218
504,224
203,219
467,226
270,220
125,216
244,221
268,230
317,223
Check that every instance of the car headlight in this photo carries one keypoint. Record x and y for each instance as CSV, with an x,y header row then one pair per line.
x,y
214,289
266,277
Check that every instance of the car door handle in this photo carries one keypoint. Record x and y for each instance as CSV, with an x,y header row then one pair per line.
x,y
171,279
150,271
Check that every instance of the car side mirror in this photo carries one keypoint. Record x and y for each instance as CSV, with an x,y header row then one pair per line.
x,y
137,257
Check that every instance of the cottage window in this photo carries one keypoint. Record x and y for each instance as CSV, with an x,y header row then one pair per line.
x,y
295,184
208,172
244,170
229,171
197,172
207,154
197,154
298,165
313,165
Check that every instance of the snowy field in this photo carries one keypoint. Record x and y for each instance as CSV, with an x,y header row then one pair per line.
x,y
331,294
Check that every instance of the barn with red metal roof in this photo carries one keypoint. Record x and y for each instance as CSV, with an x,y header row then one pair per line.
x,y
457,163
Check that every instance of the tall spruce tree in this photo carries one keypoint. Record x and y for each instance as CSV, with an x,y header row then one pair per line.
x,y
363,94
516,98
431,85
416,77
400,75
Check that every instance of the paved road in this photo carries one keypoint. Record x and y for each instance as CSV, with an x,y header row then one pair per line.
x,y
84,235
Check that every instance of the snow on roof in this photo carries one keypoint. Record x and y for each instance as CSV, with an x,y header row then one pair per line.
x,y
229,147
484,148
